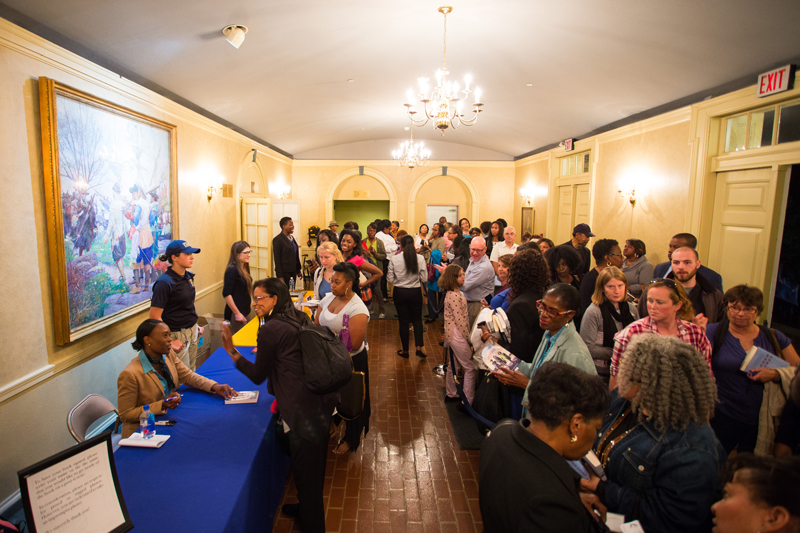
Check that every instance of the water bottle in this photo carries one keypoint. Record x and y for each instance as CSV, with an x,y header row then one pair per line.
x,y
291,284
147,423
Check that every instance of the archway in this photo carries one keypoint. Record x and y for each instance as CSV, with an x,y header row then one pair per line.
x,y
333,188
470,199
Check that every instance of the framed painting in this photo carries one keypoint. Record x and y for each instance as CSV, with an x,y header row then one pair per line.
x,y
528,215
110,183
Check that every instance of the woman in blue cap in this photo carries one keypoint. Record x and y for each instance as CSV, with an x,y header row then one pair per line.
x,y
173,301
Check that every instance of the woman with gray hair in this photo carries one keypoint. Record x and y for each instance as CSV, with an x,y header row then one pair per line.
x,y
661,457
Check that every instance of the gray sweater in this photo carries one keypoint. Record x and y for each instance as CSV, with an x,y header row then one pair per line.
x,y
638,274
592,335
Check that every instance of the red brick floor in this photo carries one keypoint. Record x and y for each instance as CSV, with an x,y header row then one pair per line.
x,y
408,475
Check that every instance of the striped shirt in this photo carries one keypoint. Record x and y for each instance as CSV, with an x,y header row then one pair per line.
x,y
687,332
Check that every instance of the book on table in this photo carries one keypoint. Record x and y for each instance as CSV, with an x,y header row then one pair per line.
x,y
760,358
245,396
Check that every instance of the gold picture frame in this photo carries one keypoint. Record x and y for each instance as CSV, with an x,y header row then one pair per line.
x,y
110,183
528,219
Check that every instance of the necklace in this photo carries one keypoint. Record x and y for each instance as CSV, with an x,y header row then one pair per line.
x,y
605,449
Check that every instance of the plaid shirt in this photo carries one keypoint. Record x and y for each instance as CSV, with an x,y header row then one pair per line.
x,y
687,332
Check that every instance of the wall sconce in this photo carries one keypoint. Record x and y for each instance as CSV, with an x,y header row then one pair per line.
x,y
214,187
528,195
629,193
285,191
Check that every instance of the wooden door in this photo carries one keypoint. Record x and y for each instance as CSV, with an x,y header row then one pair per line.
x,y
581,205
564,226
256,231
742,226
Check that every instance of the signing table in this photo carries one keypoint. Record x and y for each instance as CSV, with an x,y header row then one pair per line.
x,y
222,469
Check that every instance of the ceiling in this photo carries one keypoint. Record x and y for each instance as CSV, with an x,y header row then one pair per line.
x,y
590,63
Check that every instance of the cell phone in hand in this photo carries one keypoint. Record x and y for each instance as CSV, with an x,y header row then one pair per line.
x,y
593,464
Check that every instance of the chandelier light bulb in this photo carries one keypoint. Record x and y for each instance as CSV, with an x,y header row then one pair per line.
x,y
467,81
477,95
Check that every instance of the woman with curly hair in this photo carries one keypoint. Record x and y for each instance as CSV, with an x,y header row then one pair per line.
x,y
656,446
563,262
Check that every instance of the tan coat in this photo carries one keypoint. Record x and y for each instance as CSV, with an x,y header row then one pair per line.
x,y
135,389
775,395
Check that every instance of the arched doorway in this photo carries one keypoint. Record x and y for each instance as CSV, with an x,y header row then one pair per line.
x,y
434,189
361,195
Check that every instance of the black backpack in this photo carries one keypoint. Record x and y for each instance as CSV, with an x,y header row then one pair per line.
x,y
326,362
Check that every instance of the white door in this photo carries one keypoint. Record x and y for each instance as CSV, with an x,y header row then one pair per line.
x,y
565,207
741,226
256,231
581,205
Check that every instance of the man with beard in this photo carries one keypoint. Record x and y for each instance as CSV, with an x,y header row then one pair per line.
x,y
580,238
681,240
706,299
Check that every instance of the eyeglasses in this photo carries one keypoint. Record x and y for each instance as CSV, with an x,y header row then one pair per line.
x,y
552,313
477,250
664,281
614,255
741,310
248,252
257,299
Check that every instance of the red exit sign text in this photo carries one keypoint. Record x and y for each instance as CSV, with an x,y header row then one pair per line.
x,y
775,81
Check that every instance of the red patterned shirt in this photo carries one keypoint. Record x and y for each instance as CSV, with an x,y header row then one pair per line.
x,y
687,332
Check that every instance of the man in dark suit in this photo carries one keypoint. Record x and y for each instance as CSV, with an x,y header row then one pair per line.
x,y
286,253
682,240
580,238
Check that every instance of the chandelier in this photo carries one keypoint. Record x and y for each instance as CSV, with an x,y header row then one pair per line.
x,y
411,154
444,107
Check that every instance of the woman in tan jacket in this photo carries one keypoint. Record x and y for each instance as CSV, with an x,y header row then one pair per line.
x,y
153,377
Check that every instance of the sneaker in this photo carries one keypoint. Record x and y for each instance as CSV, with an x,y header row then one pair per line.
x,y
381,315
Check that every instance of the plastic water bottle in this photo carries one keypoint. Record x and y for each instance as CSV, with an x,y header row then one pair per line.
x,y
291,284
147,423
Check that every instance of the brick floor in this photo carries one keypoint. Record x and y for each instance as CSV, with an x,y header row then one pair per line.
x,y
408,475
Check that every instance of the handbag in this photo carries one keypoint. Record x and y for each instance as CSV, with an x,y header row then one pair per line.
x,y
491,400
351,397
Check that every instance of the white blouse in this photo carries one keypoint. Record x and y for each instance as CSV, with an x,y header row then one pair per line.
x,y
334,320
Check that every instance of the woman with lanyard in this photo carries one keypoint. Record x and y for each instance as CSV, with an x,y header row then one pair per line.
x,y
173,301
561,342
343,312
353,252
609,314
236,288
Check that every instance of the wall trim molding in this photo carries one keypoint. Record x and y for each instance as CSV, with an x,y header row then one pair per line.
x,y
390,163
27,382
28,44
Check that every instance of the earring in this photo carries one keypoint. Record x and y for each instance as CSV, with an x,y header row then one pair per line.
x,y
608,263
148,344
574,438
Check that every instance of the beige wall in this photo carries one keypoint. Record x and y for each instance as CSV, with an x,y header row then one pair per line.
x,y
357,184
441,190
533,176
39,381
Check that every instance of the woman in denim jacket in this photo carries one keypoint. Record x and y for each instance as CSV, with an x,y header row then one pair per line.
x,y
661,457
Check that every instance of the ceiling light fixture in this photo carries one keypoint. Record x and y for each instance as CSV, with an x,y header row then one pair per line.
x,y
411,154
234,34
444,106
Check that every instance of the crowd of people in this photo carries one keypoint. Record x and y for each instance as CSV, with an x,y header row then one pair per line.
x,y
629,395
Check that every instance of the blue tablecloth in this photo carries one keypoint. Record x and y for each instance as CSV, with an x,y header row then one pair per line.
x,y
222,468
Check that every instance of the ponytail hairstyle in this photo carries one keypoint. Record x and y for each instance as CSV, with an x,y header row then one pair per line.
x,y
242,268
144,330
409,254
677,295
350,271
284,305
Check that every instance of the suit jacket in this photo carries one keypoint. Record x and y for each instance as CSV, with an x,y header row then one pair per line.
x,y
287,261
661,269
526,486
135,389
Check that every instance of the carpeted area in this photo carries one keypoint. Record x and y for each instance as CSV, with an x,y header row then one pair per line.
x,y
464,427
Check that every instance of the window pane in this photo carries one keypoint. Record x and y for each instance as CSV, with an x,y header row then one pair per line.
x,y
572,165
263,214
263,236
585,163
761,124
251,235
734,133
789,126
263,257
251,213
564,166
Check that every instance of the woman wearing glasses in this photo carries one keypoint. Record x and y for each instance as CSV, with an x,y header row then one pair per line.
x,y
561,342
237,286
736,421
670,314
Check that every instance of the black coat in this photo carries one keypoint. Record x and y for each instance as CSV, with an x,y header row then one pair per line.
x,y
586,258
526,334
287,261
526,486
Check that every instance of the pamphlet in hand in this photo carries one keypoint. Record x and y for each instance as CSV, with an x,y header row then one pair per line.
x,y
760,358
244,396
495,357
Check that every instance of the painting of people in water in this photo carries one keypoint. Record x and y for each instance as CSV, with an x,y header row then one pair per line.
x,y
114,180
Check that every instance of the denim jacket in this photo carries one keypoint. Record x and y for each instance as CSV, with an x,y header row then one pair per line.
x,y
667,480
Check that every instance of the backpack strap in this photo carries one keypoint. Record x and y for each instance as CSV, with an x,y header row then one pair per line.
x,y
719,335
773,340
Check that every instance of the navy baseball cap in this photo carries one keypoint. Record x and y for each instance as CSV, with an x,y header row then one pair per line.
x,y
180,247
583,228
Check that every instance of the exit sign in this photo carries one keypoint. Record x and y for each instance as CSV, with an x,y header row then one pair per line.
x,y
775,81
569,145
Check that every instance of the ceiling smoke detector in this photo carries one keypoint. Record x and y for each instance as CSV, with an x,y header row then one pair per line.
x,y
235,34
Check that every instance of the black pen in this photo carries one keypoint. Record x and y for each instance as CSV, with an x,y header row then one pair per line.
x,y
166,422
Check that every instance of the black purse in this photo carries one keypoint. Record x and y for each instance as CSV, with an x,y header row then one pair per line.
x,y
351,397
491,400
